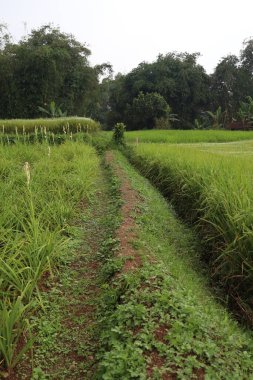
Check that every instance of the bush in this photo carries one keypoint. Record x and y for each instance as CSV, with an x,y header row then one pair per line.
x,y
118,133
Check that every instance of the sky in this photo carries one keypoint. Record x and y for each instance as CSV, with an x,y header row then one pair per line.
x,y
128,32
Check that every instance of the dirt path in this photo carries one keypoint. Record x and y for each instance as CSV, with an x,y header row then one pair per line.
x,y
127,231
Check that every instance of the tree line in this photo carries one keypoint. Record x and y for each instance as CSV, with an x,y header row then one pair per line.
x,y
49,71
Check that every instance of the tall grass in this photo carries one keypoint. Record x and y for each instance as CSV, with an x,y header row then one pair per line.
x,y
213,192
55,125
186,136
35,214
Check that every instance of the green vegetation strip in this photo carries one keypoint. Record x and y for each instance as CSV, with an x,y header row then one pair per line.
x,y
40,189
66,329
55,125
161,319
214,192
187,136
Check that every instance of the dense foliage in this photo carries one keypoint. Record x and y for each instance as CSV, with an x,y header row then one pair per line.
x,y
200,100
48,73
176,77
44,67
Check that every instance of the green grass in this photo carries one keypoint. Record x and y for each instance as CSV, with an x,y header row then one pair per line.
x,y
168,294
55,125
66,329
186,136
211,189
34,226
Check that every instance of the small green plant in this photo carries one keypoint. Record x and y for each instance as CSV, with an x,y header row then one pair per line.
x,y
118,133
38,374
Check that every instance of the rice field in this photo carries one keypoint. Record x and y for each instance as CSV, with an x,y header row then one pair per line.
x,y
210,186
186,136
40,188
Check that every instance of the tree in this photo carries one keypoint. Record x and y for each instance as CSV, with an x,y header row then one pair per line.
x,y
230,83
247,55
176,77
146,109
5,37
47,65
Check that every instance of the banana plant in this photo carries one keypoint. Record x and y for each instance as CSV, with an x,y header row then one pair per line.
x,y
53,110
216,118
245,113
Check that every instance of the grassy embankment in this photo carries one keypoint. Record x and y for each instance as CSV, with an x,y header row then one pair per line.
x,y
38,202
55,125
210,186
52,131
161,320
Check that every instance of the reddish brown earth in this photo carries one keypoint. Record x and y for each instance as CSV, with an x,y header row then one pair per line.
x,y
127,230
127,233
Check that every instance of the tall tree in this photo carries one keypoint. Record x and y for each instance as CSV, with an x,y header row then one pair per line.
x,y
177,77
46,66
247,55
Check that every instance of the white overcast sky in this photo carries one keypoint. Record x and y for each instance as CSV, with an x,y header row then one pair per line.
x,y
127,32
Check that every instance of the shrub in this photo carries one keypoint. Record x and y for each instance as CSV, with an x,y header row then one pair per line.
x,y
118,133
